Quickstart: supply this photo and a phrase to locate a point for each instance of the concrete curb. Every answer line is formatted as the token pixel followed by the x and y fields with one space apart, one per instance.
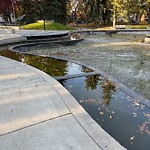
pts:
pixel 13 38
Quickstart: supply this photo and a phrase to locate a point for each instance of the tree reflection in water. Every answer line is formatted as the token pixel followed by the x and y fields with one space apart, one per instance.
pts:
pixel 109 88
pixel 91 82
pixel 50 66
pixel 12 55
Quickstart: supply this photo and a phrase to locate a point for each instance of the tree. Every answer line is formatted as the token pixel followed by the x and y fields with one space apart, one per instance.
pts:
pixel 77 10
pixel 45 9
pixel 128 7
pixel 91 82
pixel 118 8
pixel 6 9
pixel 108 90
pixel 137 9
pixel 69 11
pixel 148 14
pixel 97 11
pixel 57 10
pixel 106 13
pixel 28 9
pixel 103 11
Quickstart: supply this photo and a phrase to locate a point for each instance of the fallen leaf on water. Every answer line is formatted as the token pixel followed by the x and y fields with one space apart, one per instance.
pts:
pixel 147 115
pixel 81 101
pixel 110 117
pixel 134 115
pixel 136 104
pixel 107 110
pixel 132 138
pixel 101 113
pixel 113 112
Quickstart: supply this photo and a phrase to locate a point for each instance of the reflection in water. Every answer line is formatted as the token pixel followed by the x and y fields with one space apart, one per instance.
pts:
pixel 91 82
pixel 124 118
pixel 51 66
pixel 108 90
pixel 12 55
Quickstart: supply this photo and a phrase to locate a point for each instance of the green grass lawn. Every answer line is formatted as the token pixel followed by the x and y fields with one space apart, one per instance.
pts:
pixel 109 27
pixel 49 26
pixel 58 26
pixel 138 27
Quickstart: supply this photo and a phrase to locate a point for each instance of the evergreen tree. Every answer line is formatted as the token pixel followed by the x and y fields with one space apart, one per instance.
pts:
pixel 56 10
pixel 97 11
pixel 28 9
pixel 45 9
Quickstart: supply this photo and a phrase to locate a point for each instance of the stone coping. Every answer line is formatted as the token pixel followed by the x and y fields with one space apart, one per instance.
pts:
pixel 11 38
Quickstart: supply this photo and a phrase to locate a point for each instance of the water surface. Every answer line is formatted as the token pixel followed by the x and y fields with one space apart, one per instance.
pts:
pixel 123 117
pixel 122 56
pixel 51 66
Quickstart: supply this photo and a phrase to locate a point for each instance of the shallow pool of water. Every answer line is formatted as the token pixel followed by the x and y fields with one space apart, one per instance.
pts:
pixel 121 56
pixel 123 117
pixel 51 66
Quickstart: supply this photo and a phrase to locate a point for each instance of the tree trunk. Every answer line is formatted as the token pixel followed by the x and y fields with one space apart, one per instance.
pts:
pixel 149 16
pixel 137 18
pixel 9 19
pixel 114 18
pixel 114 13
pixel 114 22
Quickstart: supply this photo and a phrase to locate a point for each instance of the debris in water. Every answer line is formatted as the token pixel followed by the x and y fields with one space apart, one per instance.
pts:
pixel 81 101
pixel 101 113
pixel 134 115
pixel 110 117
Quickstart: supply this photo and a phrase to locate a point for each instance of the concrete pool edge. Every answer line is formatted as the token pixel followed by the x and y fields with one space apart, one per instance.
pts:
pixel 100 138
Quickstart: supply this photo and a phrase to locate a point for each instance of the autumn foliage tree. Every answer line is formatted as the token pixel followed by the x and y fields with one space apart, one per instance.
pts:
pixel 6 9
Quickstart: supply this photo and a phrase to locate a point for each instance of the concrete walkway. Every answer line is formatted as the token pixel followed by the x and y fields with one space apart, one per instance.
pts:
pixel 37 113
